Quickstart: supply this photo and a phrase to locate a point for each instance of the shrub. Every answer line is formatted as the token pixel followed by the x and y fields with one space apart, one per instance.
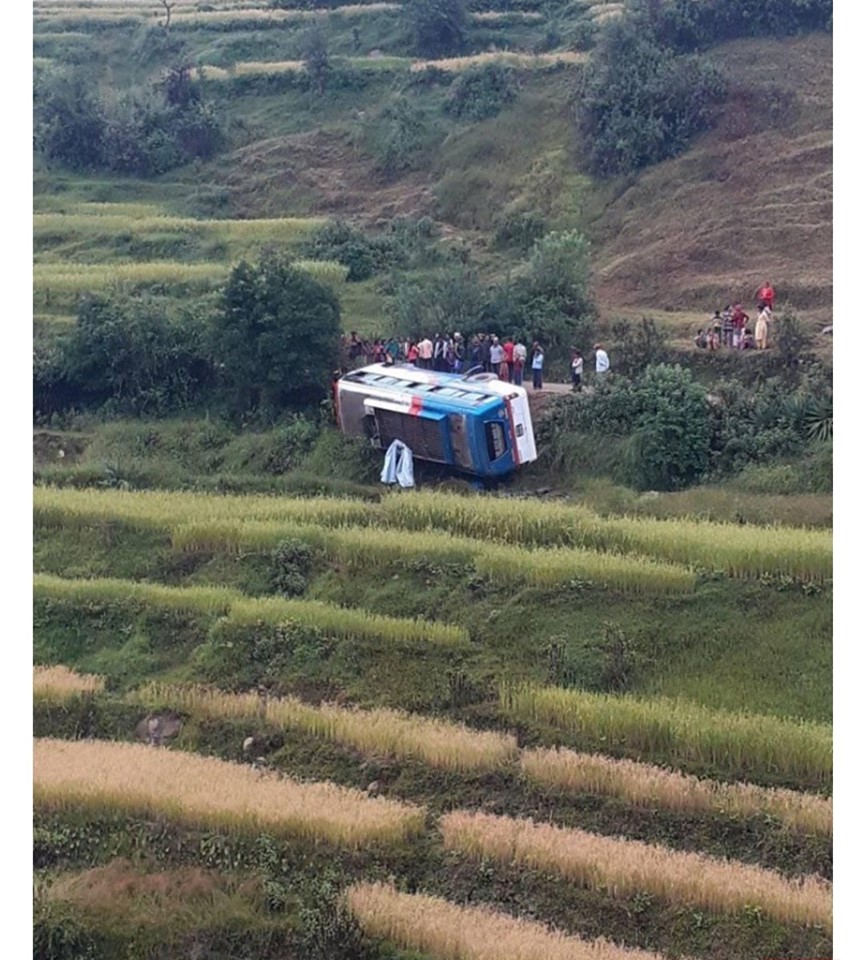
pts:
pixel 519 228
pixel 438 27
pixel 292 563
pixel 127 352
pixel 446 300
pixel 481 92
pixel 363 255
pixel 276 336
pixel 639 103
pixel 404 135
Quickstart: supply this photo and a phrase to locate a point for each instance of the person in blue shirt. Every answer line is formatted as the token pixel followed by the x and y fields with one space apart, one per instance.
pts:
pixel 537 366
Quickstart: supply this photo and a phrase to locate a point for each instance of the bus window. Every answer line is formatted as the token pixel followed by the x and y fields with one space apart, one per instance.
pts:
pixel 496 446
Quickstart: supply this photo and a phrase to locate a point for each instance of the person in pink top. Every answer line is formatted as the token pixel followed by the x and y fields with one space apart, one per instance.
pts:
pixel 509 359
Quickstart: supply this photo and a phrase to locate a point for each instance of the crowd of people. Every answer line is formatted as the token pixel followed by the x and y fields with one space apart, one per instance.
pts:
pixel 508 360
pixel 730 327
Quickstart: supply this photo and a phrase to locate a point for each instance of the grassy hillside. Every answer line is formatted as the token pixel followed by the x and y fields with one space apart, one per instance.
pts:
pixel 282 713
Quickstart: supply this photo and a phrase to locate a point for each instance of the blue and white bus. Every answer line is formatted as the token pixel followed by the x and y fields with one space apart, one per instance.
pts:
pixel 476 423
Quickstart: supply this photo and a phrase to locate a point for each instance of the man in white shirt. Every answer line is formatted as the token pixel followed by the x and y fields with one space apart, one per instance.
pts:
pixel 424 353
pixel 602 361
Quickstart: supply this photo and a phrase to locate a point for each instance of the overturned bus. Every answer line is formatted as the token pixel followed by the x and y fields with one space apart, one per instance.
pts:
pixel 474 423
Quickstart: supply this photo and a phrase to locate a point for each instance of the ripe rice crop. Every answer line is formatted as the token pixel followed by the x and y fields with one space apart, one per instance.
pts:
pixel 682 731
pixel 245 17
pixel 249 68
pixel 372 546
pixel 737 549
pixel 160 509
pixel 283 230
pixel 224 523
pixel 334 621
pixel 507 16
pixel 649 786
pixel 59 683
pixel 61 277
pixel 507 58
pixel 344 621
pixel 381 732
pixel 437 927
pixel 137 779
pixel 215 601
pixel 626 867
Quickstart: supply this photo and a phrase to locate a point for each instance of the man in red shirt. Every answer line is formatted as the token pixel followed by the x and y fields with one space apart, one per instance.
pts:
pixel 509 358
pixel 766 296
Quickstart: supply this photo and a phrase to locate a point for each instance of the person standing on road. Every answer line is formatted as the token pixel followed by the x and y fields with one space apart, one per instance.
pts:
pixel 424 353
pixel 537 366
pixel 509 358
pixel 497 356
pixel 577 371
pixel 520 354
pixel 602 361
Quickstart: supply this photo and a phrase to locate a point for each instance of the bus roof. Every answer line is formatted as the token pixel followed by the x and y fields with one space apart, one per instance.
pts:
pixel 453 387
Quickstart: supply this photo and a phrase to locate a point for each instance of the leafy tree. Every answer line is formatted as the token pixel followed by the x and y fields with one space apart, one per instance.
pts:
pixel 448 300
pixel 639 102
pixel 275 336
pixel 404 135
pixel 669 448
pixel 549 298
pixel 316 60
pixel 70 120
pixel 481 92
pixel 638 345
pixel 127 352
pixel 438 27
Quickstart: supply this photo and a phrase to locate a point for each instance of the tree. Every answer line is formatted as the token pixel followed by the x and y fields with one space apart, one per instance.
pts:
pixel 127 352
pixel 438 27
pixel 275 336
pixel 639 102
pixel 70 120
pixel 669 448
pixel 316 61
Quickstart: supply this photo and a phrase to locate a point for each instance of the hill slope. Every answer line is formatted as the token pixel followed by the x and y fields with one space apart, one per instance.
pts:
pixel 752 199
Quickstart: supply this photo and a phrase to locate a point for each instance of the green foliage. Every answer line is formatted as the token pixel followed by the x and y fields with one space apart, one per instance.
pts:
pixel 638 345
pixel 481 92
pixel 141 132
pixel 438 27
pixel 58 934
pixel 639 103
pixel 669 448
pixel 315 56
pixel 363 255
pixel 405 134
pixel 664 416
pixel 275 336
pixel 687 26
pixel 520 229
pixel 126 353
pixel 549 299
pixel 292 564
pixel 450 299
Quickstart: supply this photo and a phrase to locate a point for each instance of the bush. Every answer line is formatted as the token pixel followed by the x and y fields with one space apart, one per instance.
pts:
pixel 438 27
pixel 275 337
pixel 142 133
pixel 638 345
pixel 292 564
pixel 640 103
pixel 405 133
pixel 448 300
pixel 363 255
pixel 521 229
pixel 127 353
pixel 481 92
